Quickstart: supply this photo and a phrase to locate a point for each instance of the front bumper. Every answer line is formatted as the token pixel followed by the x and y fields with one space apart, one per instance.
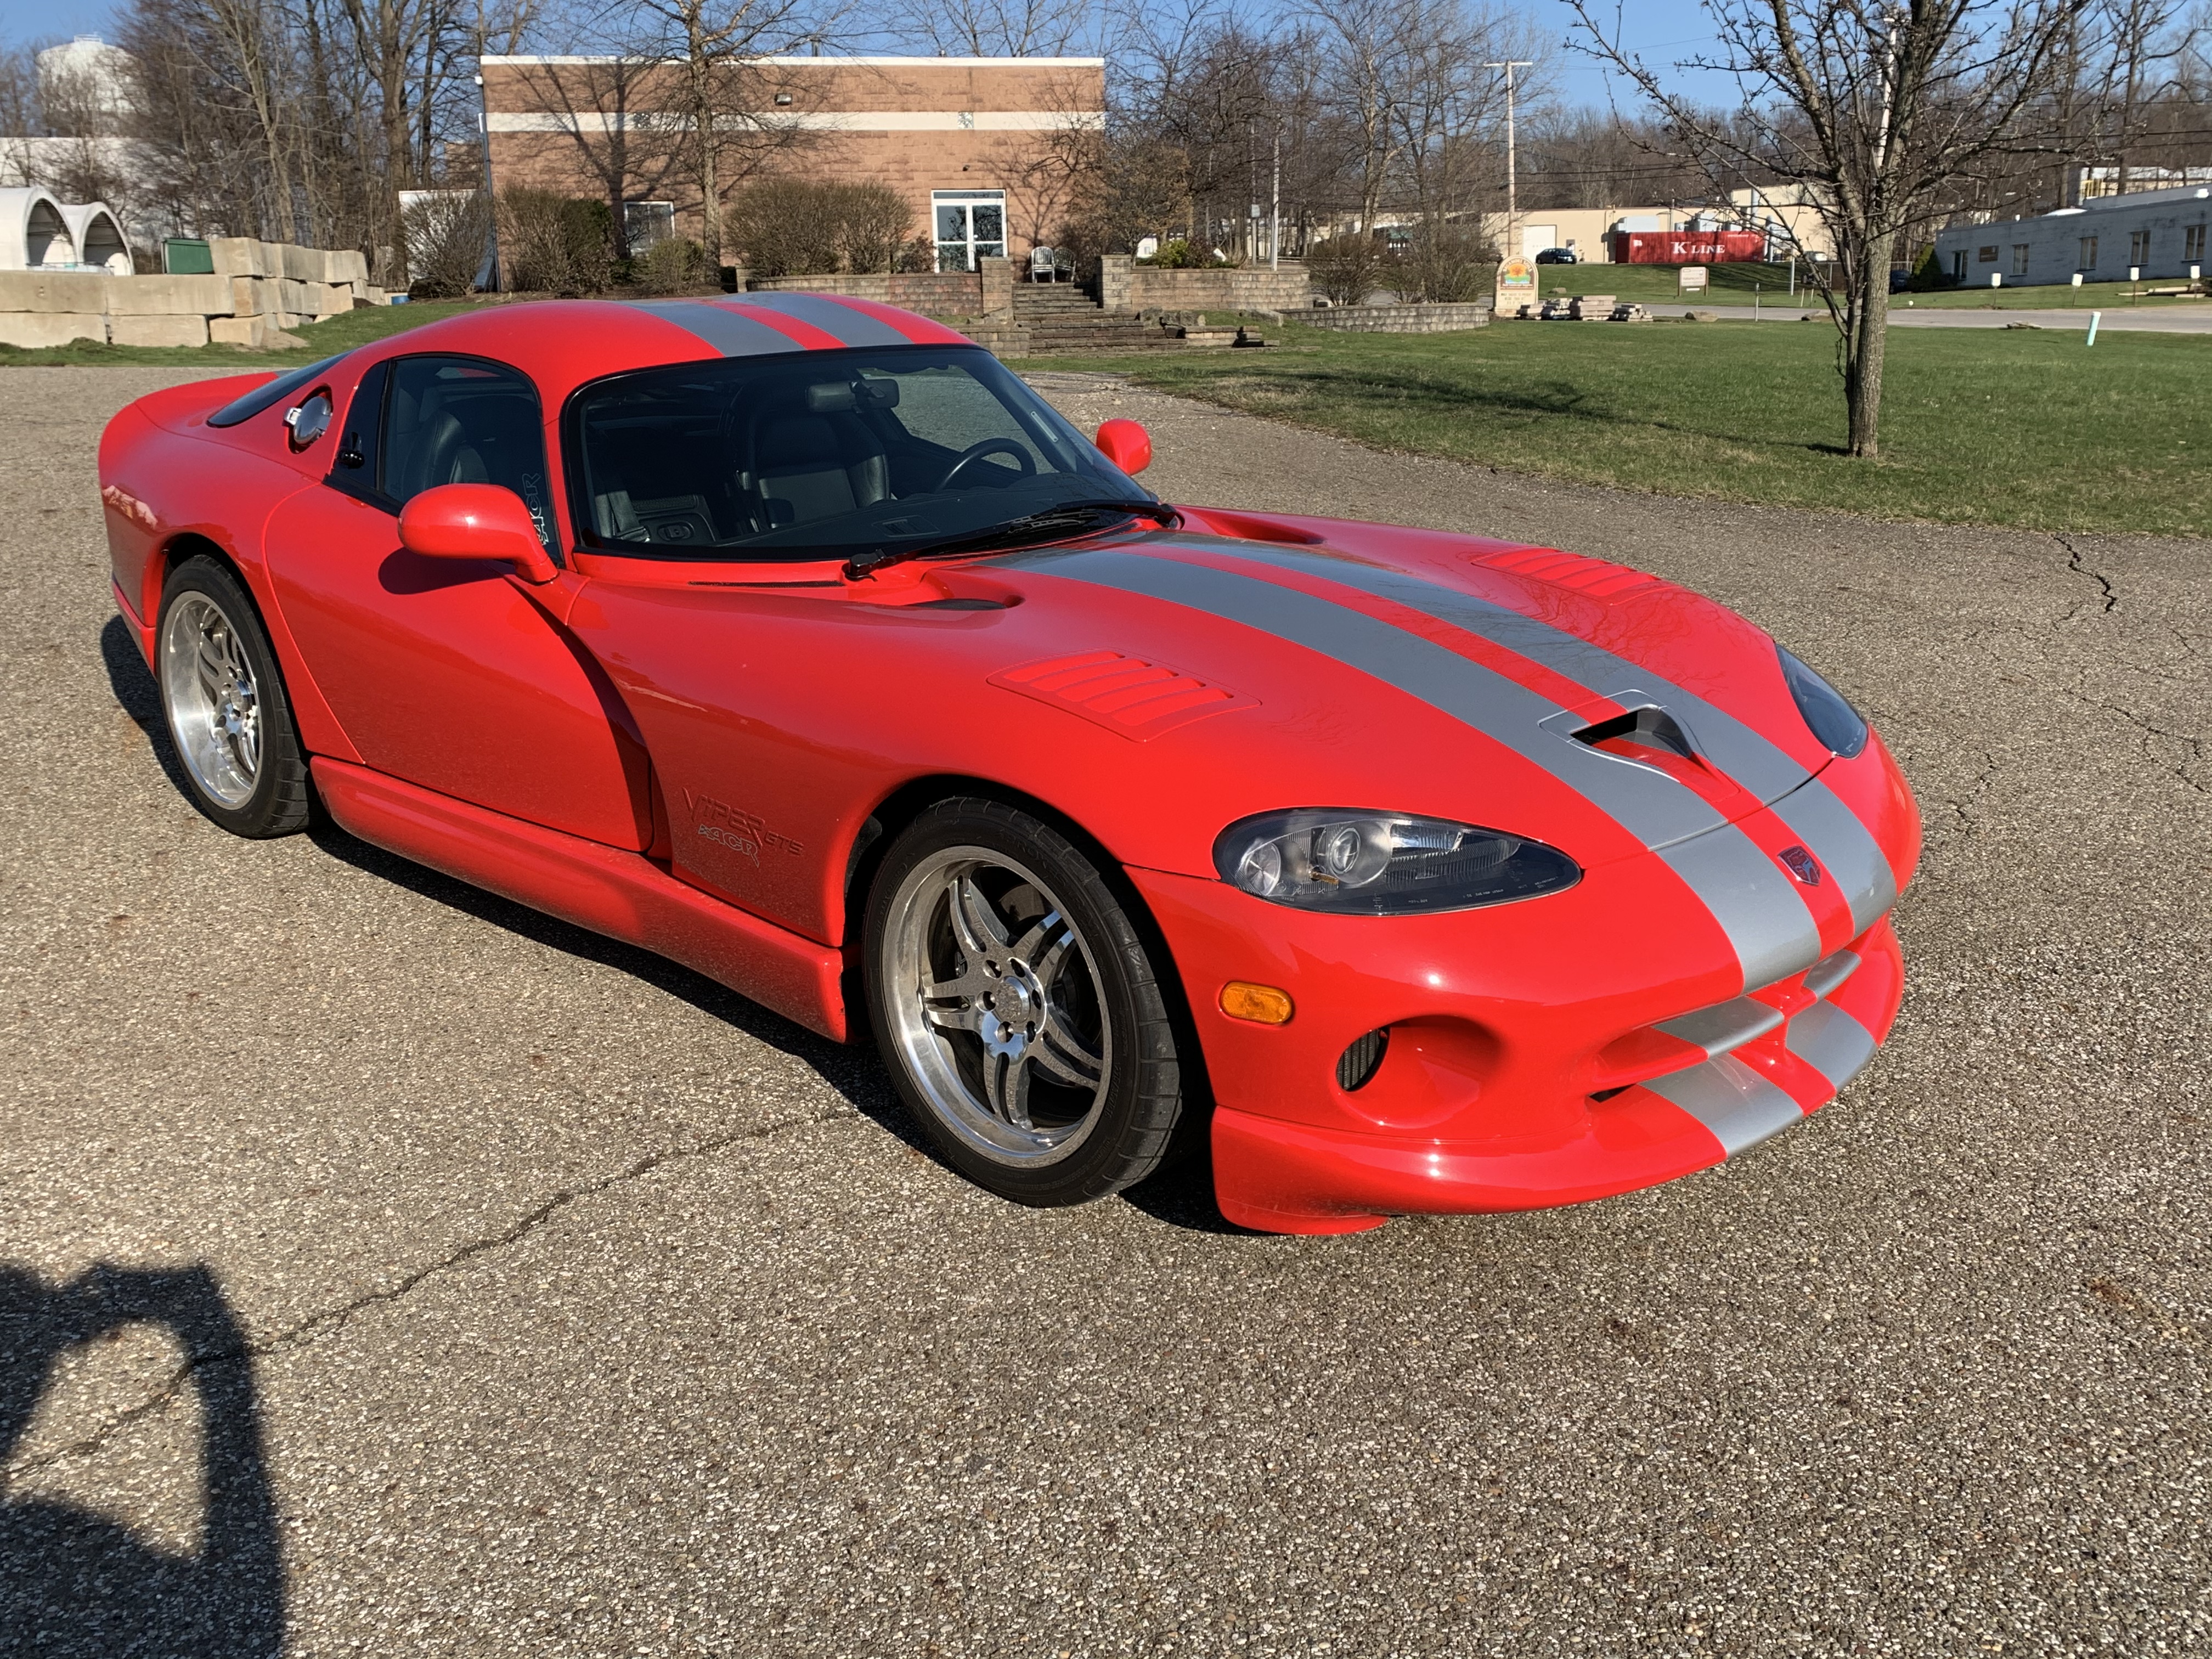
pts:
pixel 1541 1053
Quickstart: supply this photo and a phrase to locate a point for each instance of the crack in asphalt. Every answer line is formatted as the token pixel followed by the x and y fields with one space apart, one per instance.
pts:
pixel 2194 745
pixel 317 1325
pixel 2105 583
pixel 1961 803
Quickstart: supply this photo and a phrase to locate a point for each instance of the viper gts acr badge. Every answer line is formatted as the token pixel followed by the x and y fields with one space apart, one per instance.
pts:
pixel 1799 864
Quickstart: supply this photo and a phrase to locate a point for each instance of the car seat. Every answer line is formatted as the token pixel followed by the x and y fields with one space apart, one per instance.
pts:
pixel 813 456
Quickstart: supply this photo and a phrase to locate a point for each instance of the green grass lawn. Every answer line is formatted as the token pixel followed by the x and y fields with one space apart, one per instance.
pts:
pixel 333 334
pixel 1979 426
pixel 1735 284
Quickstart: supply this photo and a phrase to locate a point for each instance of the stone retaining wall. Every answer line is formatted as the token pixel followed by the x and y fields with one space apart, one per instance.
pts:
pixel 934 293
pixel 1400 319
pixel 260 291
pixel 1125 285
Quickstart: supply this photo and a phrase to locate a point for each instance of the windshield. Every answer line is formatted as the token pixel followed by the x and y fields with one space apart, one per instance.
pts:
pixel 849 454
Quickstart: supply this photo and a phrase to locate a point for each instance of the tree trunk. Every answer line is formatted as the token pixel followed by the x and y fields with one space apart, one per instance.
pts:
pixel 710 173
pixel 1863 349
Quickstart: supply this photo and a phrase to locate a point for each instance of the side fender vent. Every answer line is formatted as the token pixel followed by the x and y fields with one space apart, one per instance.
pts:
pixel 1128 695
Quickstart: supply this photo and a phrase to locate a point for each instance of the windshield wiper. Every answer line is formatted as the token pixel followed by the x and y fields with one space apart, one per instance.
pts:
pixel 1067 515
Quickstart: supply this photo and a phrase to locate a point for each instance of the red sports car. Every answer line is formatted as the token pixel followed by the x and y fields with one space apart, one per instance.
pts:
pixel 795 639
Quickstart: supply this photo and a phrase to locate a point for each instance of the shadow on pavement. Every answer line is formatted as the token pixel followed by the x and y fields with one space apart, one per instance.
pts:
pixel 76 1584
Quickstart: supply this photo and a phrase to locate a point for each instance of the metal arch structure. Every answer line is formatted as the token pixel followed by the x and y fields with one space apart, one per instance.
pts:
pixel 98 235
pixel 35 234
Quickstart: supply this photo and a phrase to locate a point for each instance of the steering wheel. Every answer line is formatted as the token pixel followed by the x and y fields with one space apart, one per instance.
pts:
pixel 989 446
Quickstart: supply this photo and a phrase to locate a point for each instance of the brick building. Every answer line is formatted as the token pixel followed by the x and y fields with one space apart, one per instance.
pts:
pixel 979 146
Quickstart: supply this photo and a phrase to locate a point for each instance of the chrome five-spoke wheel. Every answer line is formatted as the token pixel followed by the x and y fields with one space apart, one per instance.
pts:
pixel 1015 1000
pixel 996 998
pixel 225 702
pixel 215 709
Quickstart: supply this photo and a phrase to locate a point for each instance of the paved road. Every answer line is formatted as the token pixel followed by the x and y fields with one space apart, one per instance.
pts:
pixel 2178 320
pixel 391 1272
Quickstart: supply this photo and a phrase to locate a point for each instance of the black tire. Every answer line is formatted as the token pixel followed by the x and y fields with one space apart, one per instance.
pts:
pixel 1107 974
pixel 272 796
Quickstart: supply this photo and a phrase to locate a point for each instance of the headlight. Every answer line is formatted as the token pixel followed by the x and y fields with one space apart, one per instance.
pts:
pixel 1384 863
pixel 1832 721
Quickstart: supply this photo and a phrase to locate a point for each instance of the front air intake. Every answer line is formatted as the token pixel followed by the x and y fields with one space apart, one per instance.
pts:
pixel 1357 1065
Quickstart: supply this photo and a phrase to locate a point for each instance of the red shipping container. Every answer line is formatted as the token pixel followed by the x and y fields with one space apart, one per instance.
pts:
pixel 1687 247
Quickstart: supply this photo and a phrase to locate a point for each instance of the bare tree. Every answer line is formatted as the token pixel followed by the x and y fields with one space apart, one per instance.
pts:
pixel 1873 108
pixel 991 29
pixel 714 50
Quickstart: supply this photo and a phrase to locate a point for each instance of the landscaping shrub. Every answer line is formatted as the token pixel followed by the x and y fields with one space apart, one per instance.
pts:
pixel 1346 269
pixel 801 228
pixel 872 222
pixel 444 235
pixel 556 244
pixel 671 265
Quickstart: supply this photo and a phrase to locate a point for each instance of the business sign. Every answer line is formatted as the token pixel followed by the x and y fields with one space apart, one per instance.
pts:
pixel 1692 279
pixel 1517 276
pixel 1688 247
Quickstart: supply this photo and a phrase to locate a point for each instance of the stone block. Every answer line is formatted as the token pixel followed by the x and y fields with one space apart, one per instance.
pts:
pixel 296 297
pixel 158 330
pixel 50 328
pixel 249 296
pixel 76 293
pixel 237 256
pixel 252 332
pixel 349 265
pixel 333 299
pixel 304 264
pixel 169 296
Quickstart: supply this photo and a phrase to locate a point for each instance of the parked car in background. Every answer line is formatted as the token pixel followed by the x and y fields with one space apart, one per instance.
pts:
pixel 1558 255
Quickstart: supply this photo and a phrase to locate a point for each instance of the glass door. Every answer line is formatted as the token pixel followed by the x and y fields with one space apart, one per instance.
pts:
pixel 971 225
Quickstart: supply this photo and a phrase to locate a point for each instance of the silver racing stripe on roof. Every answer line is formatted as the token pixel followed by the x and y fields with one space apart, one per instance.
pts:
pixel 841 322
pixel 1755 904
pixel 729 333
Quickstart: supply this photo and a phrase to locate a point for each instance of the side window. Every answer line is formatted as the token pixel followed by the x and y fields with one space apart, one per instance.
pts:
pixel 462 420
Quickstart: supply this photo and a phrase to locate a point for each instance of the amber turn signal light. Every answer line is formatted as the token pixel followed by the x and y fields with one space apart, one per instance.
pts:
pixel 1262 1004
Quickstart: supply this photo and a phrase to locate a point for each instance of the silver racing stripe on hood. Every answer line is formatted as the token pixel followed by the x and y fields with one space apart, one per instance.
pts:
pixel 1755 904
pixel 1815 814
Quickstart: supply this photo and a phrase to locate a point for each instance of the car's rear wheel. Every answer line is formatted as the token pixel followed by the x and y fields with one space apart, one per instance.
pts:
pixel 1017 1007
pixel 225 702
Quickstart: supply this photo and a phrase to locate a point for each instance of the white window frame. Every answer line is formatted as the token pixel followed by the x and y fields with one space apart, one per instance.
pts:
pixel 631 239
pixel 968 246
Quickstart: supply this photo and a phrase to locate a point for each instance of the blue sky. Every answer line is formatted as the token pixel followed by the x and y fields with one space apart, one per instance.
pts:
pixel 1664 31
pixel 36 19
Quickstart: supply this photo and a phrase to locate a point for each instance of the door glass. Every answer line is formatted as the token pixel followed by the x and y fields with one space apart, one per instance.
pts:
pixel 951 223
pixel 462 420
pixel 990 222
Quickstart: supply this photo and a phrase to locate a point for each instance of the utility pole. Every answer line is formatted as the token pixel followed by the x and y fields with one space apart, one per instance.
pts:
pixel 1512 199
pixel 1275 210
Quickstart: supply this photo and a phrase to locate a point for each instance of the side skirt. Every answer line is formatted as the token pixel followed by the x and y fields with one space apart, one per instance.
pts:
pixel 619 894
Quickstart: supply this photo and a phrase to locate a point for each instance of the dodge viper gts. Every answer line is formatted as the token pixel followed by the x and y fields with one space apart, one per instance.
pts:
pixel 795 639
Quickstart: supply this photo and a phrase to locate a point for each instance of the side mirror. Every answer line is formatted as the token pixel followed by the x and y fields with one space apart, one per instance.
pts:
pixel 476 521
pixel 1127 444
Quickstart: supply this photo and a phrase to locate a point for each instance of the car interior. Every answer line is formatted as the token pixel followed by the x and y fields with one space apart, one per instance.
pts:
pixel 682 463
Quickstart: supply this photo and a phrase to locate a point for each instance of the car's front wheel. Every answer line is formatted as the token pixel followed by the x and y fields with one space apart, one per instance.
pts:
pixel 226 706
pixel 1021 1014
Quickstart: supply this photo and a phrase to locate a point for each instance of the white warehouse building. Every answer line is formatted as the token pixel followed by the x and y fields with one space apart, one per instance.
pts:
pixel 2159 233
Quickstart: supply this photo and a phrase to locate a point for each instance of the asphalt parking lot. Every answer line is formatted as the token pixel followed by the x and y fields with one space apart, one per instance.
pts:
pixel 386 1270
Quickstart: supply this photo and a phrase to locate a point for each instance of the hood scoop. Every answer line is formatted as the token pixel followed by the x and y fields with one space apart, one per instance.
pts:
pixel 1638 734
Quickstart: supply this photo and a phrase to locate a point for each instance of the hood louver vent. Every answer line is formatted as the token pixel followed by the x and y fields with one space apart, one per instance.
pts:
pixel 1598 578
pixel 1128 695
